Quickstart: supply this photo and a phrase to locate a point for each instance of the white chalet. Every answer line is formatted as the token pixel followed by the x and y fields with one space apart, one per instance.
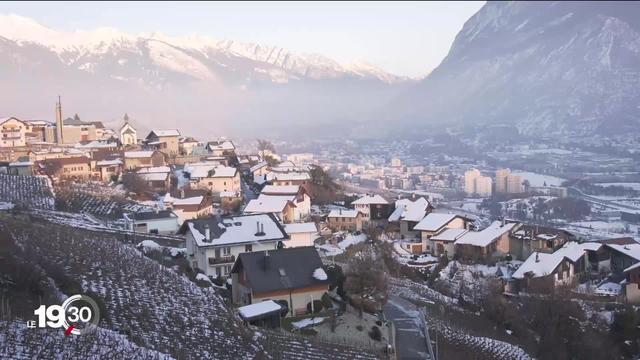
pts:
pixel 213 244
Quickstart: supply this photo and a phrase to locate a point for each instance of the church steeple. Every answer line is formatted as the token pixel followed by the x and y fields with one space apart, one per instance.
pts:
pixel 126 118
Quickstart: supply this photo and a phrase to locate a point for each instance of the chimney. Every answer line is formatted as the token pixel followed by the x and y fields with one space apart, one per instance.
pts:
pixel 182 193
pixel 266 261
pixel 503 221
pixel 207 232
pixel 537 259
pixel 59 122
pixel 340 211
pixel 157 209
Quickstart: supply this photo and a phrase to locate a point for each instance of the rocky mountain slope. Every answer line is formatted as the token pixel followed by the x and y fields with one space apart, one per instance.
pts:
pixel 547 68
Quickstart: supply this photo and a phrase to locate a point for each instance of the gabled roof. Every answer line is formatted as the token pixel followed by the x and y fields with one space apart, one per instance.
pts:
pixel 486 236
pixel 343 213
pixel 370 200
pixel 434 221
pixel 5 119
pixel 409 210
pixel 235 229
pixel 297 228
pixel 163 133
pixel 281 190
pixel 283 269
pixel 268 204
pixel 449 235
pixel 258 166
pixel 542 264
pixel 630 250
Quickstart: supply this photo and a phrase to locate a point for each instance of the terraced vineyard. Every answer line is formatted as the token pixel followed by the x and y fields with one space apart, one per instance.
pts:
pixel 155 306
pixel 26 191
pixel 96 199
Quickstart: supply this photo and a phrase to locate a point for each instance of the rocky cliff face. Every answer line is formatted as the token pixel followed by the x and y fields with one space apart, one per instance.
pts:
pixel 551 68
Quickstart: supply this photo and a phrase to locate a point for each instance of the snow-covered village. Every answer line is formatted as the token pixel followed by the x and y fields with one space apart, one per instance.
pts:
pixel 122 237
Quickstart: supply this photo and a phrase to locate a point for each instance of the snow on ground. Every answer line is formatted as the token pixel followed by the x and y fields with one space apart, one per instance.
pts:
pixel 609 288
pixel 352 240
pixel 203 277
pixel 6 205
pixel 319 274
pixel 307 322
pixel 330 249
pixel 539 179
pixel 149 244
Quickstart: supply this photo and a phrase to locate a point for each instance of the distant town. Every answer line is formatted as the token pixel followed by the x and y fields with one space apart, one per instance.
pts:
pixel 342 243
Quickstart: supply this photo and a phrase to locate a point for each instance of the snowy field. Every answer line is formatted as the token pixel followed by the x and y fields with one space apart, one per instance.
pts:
pixel 539 179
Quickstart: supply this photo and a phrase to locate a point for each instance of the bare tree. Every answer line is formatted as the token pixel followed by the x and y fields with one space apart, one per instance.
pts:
pixel 134 183
pixel 366 279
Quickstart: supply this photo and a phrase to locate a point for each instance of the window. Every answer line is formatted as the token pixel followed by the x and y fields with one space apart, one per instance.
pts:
pixel 227 269
pixel 218 270
pixel 226 251
pixel 248 248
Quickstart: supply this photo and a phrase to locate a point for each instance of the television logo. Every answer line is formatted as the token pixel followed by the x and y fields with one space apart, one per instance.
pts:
pixel 77 315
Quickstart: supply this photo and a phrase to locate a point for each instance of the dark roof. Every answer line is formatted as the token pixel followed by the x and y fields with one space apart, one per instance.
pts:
pixel 282 269
pixel 150 215
pixel 72 121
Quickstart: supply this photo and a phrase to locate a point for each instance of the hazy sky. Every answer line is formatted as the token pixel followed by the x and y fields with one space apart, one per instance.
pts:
pixel 402 38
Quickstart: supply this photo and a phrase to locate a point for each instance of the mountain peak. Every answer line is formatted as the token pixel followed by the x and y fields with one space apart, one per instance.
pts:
pixel 72 45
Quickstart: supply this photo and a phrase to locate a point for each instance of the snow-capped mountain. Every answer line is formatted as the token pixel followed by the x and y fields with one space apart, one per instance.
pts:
pixel 210 87
pixel 548 68
pixel 191 55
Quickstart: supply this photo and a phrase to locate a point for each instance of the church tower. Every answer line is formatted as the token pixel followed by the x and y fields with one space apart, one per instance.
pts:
pixel 128 134
pixel 59 123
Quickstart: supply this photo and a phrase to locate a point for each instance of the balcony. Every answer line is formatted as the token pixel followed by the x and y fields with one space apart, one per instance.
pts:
pixel 221 260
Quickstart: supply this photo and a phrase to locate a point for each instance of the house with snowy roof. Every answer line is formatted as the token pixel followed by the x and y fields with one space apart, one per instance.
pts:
pixel 189 204
pixel 213 244
pixel 167 141
pixel 292 277
pixel 221 147
pixel 301 234
pixel 154 222
pixel 296 194
pixel 156 177
pixel 487 244
pixel 139 159
pixel 535 238
pixel 619 254
pixel 374 208
pixel 543 272
pixel 213 177
pixel 434 224
pixel 280 206
pixel 259 169
pixel 13 132
pixel 408 213
pixel 345 220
